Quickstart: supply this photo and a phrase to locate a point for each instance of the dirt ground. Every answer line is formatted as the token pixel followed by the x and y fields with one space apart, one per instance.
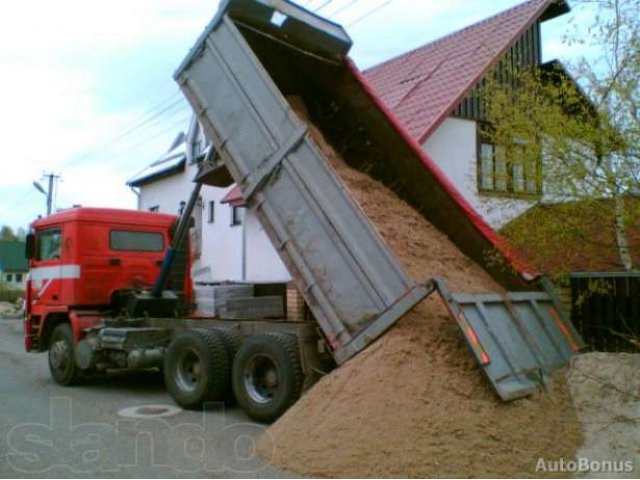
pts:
pixel 606 392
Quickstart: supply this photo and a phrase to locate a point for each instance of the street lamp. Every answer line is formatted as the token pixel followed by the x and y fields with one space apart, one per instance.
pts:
pixel 39 188
pixel 49 193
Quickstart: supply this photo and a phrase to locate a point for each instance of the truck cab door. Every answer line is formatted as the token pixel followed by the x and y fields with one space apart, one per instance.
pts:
pixel 46 271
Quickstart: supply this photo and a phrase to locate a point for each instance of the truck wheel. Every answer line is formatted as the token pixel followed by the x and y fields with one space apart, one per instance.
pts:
pixel 232 341
pixel 197 368
pixel 267 375
pixel 62 364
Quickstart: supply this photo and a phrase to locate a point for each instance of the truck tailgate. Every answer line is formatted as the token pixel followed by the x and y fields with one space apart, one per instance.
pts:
pixel 518 338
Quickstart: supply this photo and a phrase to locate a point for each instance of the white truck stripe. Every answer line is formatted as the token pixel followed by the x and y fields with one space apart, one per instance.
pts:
pixel 55 272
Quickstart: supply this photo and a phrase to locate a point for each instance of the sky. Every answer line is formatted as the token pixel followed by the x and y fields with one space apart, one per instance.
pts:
pixel 87 90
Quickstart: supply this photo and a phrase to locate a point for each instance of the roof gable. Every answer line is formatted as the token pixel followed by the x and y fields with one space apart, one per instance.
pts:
pixel 423 86
pixel 170 163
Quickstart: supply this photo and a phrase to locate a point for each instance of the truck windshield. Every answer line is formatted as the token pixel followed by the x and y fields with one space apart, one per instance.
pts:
pixel 129 240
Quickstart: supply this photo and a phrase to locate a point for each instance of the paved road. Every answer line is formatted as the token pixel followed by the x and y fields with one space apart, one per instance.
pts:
pixel 51 431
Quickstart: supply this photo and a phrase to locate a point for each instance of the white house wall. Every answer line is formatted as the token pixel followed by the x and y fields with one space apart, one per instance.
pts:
pixel 262 261
pixel 166 194
pixel 453 146
pixel 225 253
pixel 222 244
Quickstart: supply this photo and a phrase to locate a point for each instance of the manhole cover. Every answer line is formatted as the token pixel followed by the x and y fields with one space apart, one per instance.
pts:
pixel 150 411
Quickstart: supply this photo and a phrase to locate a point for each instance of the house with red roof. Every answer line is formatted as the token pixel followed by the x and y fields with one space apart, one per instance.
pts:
pixel 432 90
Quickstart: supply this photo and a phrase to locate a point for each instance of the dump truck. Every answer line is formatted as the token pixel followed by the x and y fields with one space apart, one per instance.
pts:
pixel 113 296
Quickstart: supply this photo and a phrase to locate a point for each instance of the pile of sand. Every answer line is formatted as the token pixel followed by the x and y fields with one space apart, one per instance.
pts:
pixel 414 403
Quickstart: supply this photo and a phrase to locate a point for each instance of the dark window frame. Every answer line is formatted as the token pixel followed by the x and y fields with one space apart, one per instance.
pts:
pixel 235 214
pixel 211 217
pixel 504 171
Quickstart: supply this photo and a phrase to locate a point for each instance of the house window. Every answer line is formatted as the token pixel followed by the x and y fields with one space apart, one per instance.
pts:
pixel 9 278
pixel 212 211
pixel 155 208
pixel 509 173
pixel 236 216
pixel 18 278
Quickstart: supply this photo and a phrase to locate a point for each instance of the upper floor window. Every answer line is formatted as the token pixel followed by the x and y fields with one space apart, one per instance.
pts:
pixel 508 171
pixel 155 208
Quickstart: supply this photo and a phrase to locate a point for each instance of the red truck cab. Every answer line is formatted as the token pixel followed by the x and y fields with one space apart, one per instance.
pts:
pixel 81 258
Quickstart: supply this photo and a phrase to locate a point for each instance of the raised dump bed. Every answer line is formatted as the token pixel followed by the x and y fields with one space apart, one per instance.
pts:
pixel 352 283
pixel 252 57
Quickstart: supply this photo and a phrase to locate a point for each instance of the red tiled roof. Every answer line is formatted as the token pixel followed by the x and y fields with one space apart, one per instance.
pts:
pixel 423 86
pixel 234 197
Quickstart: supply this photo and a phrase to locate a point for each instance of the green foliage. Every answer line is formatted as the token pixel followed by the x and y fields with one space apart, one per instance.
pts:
pixel 10 295
pixel 587 131
pixel 7 233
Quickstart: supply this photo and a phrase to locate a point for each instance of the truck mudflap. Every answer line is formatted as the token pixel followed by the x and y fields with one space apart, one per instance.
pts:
pixel 518 338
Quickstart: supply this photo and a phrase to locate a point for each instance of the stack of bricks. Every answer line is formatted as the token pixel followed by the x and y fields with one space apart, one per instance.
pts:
pixel 296 308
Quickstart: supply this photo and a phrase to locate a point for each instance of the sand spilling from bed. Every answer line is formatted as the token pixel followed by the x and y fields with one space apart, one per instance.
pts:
pixel 414 403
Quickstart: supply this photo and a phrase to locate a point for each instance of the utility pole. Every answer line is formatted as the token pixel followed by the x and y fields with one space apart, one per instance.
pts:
pixel 52 181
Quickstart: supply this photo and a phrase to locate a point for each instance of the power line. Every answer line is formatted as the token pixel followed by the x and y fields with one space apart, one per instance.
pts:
pixel 370 12
pixel 141 127
pixel 327 2
pixel 150 111
pixel 154 116
pixel 344 7
pixel 148 117
pixel 148 120
pixel 119 154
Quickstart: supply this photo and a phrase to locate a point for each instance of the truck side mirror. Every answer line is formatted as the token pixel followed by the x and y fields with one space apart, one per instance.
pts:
pixel 30 246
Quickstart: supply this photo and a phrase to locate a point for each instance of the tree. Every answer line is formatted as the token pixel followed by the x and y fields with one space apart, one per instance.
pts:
pixel 6 233
pixel 587 134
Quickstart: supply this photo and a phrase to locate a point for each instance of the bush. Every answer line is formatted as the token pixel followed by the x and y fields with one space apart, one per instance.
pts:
pixel 10 295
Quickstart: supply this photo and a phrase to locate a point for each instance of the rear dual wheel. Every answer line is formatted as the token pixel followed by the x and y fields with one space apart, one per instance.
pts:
pixel 209 365
pixel 267 375
pixel 197 368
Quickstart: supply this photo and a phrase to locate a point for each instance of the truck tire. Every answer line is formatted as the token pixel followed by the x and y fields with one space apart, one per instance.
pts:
pixel 197 368
pixel 62 364
pixel 267 375
pixel 232 341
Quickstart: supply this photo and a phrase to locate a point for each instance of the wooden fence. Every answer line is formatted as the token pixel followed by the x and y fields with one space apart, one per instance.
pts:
pixel 605 308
